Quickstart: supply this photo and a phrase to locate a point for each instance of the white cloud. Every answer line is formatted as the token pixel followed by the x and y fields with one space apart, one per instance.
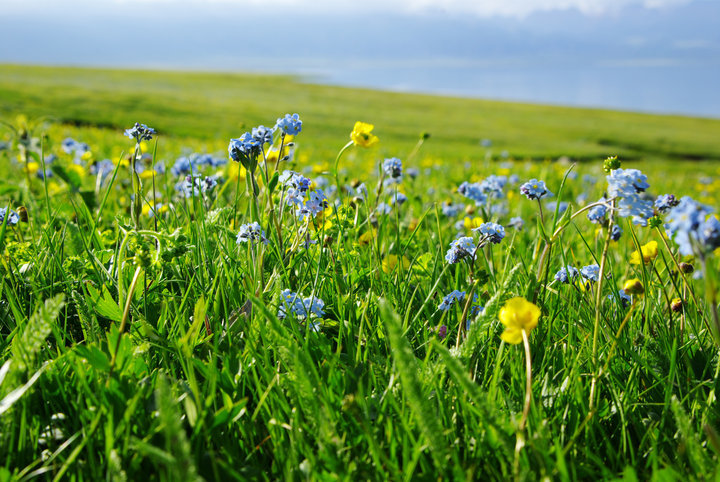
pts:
pixel 480 8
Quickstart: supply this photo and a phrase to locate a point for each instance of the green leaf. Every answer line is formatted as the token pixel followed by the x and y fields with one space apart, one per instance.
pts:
pixel 422 409
pixel 273 182
pixel 28 344
pixel 104 304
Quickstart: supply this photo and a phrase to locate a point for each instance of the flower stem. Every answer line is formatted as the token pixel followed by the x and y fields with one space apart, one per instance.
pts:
pixel 598 305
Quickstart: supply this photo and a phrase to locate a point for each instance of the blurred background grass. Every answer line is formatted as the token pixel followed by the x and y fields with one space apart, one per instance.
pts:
pixel 213 107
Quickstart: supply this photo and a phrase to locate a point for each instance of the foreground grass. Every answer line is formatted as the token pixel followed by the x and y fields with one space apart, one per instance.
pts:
pixel 153 349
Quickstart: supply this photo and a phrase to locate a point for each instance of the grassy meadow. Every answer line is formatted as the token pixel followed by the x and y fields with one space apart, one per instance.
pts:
pixel 481 292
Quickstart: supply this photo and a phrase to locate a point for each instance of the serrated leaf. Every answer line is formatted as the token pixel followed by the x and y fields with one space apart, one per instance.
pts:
pixel 104 304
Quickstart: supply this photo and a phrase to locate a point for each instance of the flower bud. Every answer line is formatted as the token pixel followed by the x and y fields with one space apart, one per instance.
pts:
pixel 634 287
pixel 676 305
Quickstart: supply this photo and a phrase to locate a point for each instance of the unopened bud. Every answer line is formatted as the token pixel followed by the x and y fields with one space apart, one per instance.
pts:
pixel 634 287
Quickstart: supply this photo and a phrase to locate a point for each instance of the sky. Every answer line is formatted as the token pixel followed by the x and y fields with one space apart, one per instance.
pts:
pixel 650 55
pixel 479 8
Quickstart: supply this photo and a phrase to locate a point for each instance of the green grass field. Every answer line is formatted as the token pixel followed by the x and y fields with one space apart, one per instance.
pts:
pixel 149 330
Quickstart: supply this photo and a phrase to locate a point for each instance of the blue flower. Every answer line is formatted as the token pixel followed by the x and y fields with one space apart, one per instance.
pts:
pixel 591 272
pixel 622 297
pixel 561 209
pixel 184 165
pixel 665 202
pixel 451 210
pixel 243 148
pixel 473 191
pixel 315 204
pixel 140 132
pixel 263 135
pixel 534 189
pixel 290 124
pixel 450 299
pixel 516 223
pixel 252 233
pixel 627 185
pixel 413 172
pixel 460 249
pixel 492 186
pixel 398 198
pixel 392 167
pixel 383 208
pixel 566 274
pixel 626 182
pixel 640 209
pixel 102 168
pixel 303 308
pixel 12 219
pixel 597 214
pixel 491 232
pixel 692 227
pixel 616 232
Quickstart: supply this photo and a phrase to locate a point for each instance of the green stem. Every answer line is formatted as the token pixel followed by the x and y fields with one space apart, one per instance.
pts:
pixel 598 305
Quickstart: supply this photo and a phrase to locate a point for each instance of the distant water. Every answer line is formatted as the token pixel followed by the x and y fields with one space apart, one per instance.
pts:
pixel 655 87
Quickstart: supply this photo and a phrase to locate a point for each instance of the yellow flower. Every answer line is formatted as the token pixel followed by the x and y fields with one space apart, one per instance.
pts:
pixel 649 253
pixel 517 315
pixel 472 223
pixel 366 237
pixel 32 166
pixel 391 261
pixel 77 168
pixel 361 135
pixel 634 287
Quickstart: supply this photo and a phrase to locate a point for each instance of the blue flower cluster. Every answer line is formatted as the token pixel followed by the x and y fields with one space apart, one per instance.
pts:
pixel 302 308
pixel 398 198
pixel 450 299
pixel 193 186
pixel 516 223
pixel 102 168
pixel 315 204
pixel 140 132
pixel 451 210
pixel 492 186
pixel 243 148
pixel 621 297
pixel 296 186
pixel 192 163
pixel 251 233
pixel 591 272
pixel 597 214
pixel 75 149
pixel 627 185
pixel 492 232
pixel 12 218
pixel 665 202
pixel 290 124
pixel 460 249
pixel 392 167
pixel 534 189
pixel 693 227
pixel 567 274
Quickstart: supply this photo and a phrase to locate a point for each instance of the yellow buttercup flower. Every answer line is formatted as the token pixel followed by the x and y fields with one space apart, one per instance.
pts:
pixel 517 315
pixel 472 223
pixel 633 287
pixel 648 252
pixel 362 136
pixel 391 261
